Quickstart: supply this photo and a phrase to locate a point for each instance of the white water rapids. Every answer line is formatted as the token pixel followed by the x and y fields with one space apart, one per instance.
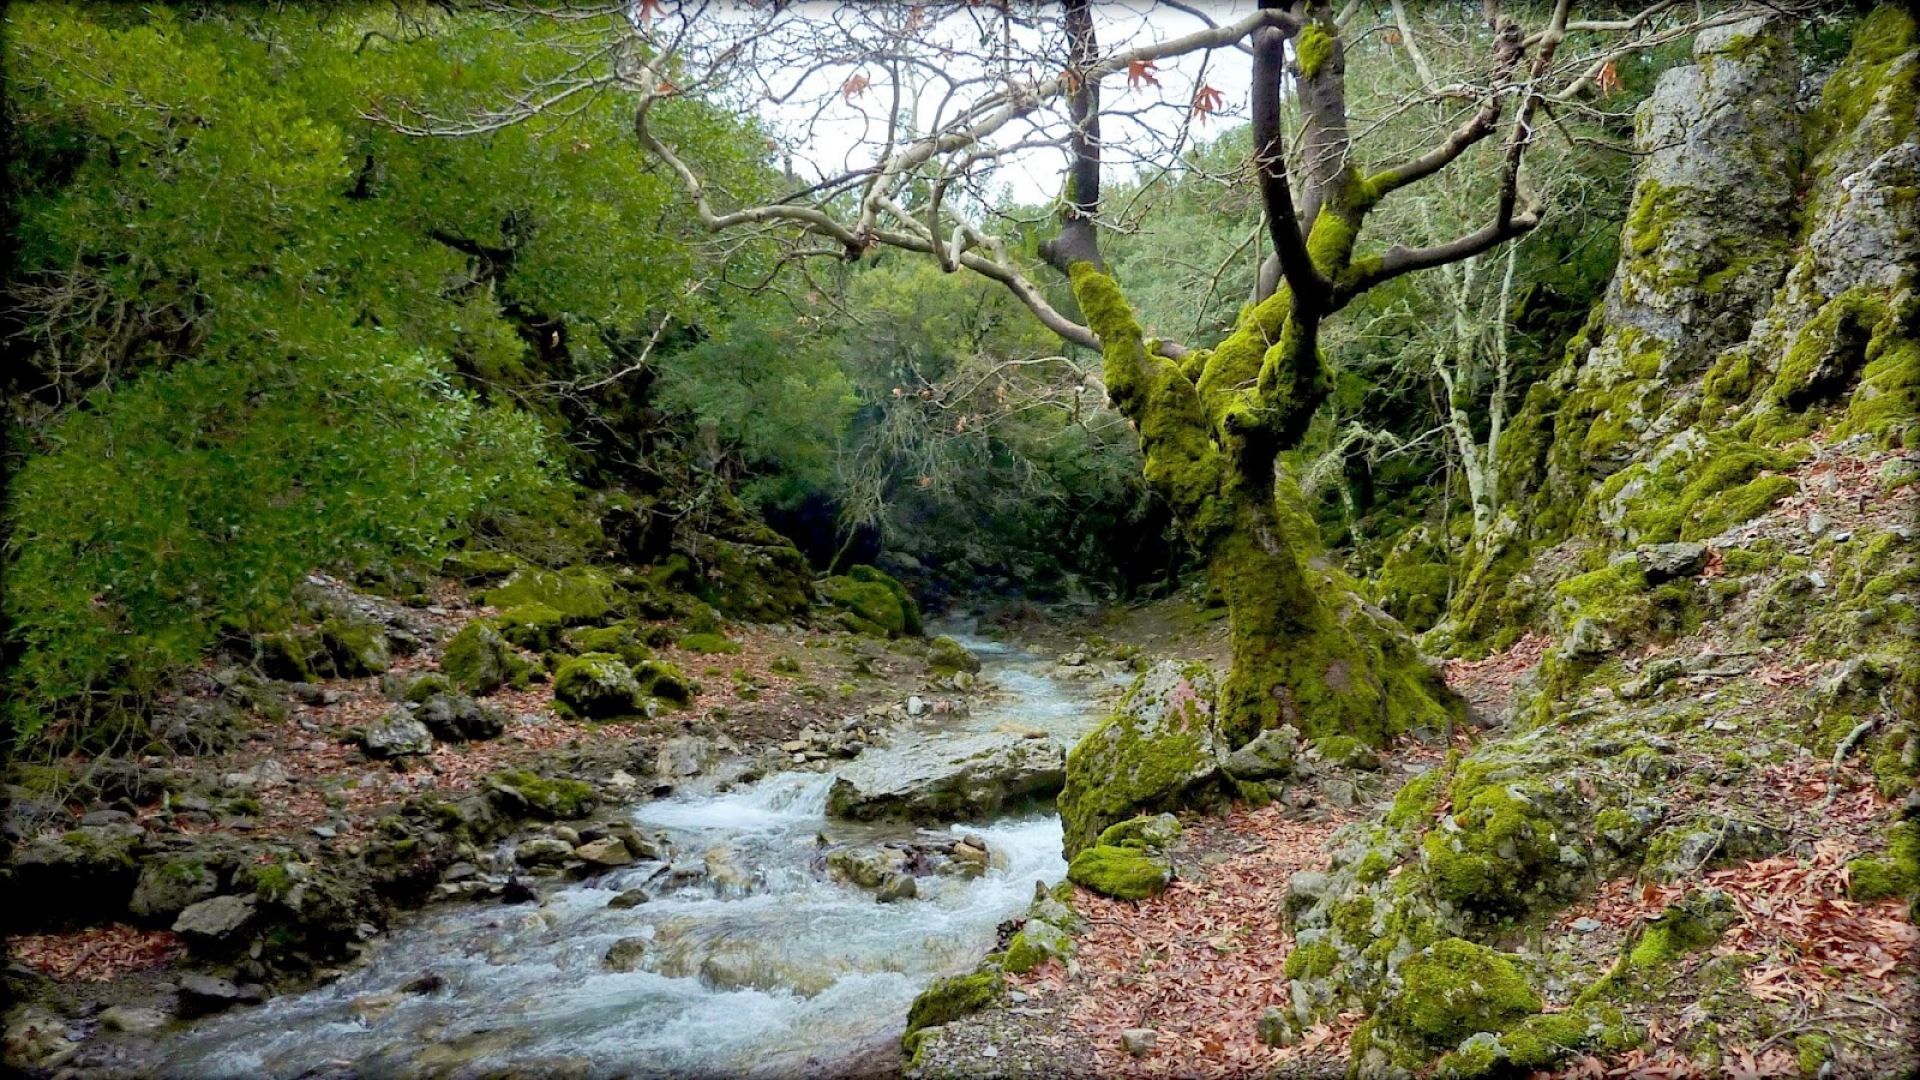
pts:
pixel 789 973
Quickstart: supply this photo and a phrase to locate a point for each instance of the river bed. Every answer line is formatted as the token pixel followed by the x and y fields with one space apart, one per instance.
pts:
pixel 771 969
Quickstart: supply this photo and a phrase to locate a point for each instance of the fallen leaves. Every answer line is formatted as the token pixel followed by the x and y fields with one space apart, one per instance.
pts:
pixel 98 953
pixel 1201 961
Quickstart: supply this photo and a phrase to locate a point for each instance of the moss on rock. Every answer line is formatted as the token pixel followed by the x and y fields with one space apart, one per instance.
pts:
pixel 1155 750
pixel 480 660
pixel 581 594
pixel 1123 873
pixel 596 686
pixel 1455 988
pixel 555 798
pixel 949 999
pixel 531 626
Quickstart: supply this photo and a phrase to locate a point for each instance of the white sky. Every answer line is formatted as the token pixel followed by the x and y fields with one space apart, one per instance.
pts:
pixel 832 143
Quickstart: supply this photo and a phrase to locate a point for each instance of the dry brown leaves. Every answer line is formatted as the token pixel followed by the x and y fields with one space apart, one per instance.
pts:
pixel 1488 682
pixel 1199 962
pixel 98 953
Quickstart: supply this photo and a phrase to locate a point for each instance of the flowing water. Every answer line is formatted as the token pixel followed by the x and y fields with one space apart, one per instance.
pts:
pixel 766 968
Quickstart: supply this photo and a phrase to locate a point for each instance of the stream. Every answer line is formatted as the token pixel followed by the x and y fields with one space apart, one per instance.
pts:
pixel 779 971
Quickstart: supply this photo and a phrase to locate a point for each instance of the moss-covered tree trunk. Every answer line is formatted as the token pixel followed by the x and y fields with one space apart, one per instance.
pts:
pixel 1306 650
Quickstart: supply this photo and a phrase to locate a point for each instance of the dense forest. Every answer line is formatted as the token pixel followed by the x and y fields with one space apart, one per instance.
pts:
pixel 961 539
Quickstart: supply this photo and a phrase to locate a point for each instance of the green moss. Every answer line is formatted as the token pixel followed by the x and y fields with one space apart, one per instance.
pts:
pixel 479 660
pixel 1828 349
pixel 1313 960
pixel 1312 49
pixel 946 654
pixel 1682 928
pixel 947 1000
pixel 1538 1043
pixel 1495 853
pixel 867 606
pixel 1417 798
pixel 595 686
pixel 530 626
pixel 1122 873
pixel 1810 1051
pixel 354 646
pixel 662 680
pixel 622 639
pixel 1455 988
pixel 557 798
pixel 909 610
pixel 1897 874
pixel 480 567
pixel 1886 401
pixel 1036 943
pixel 581 594
pixel 709 644
pixel 1144 833
pixel 1736 506
pixel 1145 756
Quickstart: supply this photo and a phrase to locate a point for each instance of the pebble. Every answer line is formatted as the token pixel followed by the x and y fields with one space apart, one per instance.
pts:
pixel 1139 1041
pixel 990 1051
pixel 325 832
pixel 1586 925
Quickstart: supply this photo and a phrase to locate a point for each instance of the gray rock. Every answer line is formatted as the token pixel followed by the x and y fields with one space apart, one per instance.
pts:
pixel 215 920
pixel 1665 562
pixel 632 898
pixel 132 1018
pixel 606 851
pixel 542 851
pixel 459 718
pixel 1139 1041
pixel 201 994
pixel 1587 640
pixel 169 886
pixel 897 887
pixel 397 734
pixel 1585 925
pixel 38 1039
pixel 627 954
pixel 1269 755
pixel 968 777
pixel 1276 1028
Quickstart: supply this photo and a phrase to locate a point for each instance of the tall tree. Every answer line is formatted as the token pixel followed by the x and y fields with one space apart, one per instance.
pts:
pixel 934 97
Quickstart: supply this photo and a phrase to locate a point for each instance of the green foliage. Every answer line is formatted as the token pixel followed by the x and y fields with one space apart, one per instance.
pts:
pixel 274 336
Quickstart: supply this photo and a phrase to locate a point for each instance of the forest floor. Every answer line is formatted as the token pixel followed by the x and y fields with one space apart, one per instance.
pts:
pixel 1199 963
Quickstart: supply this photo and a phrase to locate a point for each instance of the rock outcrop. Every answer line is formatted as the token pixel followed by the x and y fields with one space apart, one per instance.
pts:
pixel 960 779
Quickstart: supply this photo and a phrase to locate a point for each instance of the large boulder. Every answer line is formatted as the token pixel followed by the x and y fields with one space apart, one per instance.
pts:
pixel 596 686
pixel 479 659
pixel 580 594
pixel 168 886
pixel 968 777
pixel 871 602
pixel 74 876
pixel 459 718
pixel 396 734
pixel 1156 749
pixel 215 920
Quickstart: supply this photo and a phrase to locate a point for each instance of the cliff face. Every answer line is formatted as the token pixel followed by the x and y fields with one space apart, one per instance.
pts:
pixel 1712 525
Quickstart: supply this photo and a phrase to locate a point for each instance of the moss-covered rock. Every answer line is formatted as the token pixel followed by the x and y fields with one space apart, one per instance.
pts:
pixel 624 639
pixel 949 999
pixel 1453 989
pixel 596 686
pixel 1155 833
pixel 479 567
pixel 709 644
pixel 1034 944
pixel 523 791
pixel 581 594
pixel 1125 873
pixel 1895 874
pixel 871 602
pixel 947 655
pixel 531 626
pixel 660 679
pixel 1153 752
pixel 355 646
pixel 480 660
